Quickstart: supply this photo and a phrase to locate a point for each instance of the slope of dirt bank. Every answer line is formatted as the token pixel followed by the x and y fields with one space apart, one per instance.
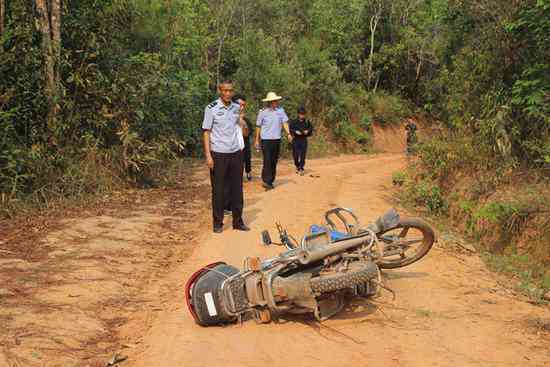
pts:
pixel 449 310
pixel 392 138
pixel 389 138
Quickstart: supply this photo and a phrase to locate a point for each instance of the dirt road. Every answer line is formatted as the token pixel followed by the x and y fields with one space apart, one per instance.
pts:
pixel 448 311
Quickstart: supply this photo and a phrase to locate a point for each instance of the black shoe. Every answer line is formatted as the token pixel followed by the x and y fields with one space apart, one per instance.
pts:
pixel 241 227
pixel 268 186
pixel 249 176
pixel 218 229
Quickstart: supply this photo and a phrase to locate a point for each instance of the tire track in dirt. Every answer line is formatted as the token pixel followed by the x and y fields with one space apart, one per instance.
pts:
pixel 449 310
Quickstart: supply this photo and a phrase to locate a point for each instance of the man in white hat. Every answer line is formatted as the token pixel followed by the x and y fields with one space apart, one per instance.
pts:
pixel 270 122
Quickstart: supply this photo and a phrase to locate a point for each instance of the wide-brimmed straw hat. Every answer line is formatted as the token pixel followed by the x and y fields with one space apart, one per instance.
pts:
pixel 272 96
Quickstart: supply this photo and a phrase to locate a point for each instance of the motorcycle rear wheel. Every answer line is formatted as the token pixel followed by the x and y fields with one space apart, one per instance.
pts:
pixel 406 224
pixel 327 283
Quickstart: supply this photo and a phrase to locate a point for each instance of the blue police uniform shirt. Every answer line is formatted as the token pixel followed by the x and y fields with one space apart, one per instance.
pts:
pixel 223 123
pixel 271 121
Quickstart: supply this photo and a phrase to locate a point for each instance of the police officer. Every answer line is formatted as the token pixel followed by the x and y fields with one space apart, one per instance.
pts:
pixel 270 122
pixel 301 129
pixel 223 149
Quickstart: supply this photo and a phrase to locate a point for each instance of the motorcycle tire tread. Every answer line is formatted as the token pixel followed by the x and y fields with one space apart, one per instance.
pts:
pixel 339 281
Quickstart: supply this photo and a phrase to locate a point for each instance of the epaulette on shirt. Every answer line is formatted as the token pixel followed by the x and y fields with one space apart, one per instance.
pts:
pixel 213 104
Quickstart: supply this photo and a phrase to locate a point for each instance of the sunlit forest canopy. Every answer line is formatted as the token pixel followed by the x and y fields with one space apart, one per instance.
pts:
pixel 94 92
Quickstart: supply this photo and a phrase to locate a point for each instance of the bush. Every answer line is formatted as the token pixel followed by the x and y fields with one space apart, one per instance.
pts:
pixel 427 194
pixel 399 178
pixel 388 109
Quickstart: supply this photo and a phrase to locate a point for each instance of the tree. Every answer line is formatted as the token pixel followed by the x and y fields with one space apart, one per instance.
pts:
pixel 223 29
pixel 374 19
pixel 49 24
pixel 55 21
pixel 2 16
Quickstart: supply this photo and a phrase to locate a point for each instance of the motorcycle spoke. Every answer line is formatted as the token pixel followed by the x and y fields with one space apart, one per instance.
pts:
pixel 411 241
pixel 404 232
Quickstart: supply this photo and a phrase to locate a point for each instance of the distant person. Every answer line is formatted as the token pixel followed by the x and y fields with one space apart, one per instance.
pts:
pixel 223 149
pixel 412 139
pixel 300 129
pixel 270 123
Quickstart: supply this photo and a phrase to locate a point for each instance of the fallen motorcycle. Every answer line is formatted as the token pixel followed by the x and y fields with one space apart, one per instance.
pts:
pixel 315 275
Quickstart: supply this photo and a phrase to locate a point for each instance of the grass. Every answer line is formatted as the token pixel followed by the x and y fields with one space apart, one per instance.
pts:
pixel 532 280
pixel 399 178
pixel 96 184
pixel 509 225
pixel 423 312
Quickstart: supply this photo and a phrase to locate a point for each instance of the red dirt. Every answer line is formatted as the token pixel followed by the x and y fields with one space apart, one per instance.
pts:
pixel 110 280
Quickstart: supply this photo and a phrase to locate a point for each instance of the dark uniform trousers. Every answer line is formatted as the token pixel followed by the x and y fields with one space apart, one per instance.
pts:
pixel 247 156
pixel 270 150
pixel 299 151
pixel 227 173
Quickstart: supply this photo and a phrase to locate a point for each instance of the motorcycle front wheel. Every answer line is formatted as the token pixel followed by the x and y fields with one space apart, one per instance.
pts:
pixel 405 243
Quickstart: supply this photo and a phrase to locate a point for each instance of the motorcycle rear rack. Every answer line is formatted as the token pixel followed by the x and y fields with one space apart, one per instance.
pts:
pixel 234 291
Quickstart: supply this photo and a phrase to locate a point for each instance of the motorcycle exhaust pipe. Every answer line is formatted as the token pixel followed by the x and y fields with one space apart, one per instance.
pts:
pixel 320 252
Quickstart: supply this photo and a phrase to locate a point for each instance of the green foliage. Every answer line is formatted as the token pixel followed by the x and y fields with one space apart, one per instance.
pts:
pixel 399 178
pixel 388 109
pixel 428 195
pixel 135 76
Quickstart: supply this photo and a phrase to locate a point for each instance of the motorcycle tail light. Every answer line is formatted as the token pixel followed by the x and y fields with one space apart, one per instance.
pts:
pixel 189 286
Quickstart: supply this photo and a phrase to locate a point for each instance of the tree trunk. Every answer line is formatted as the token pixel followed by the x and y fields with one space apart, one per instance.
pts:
pixel 56 38
pixel 373 24
pixel 171 26
pixel 49 62
pixel 2 16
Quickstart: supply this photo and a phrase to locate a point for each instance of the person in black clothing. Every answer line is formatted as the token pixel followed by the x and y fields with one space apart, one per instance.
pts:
pixel 301 129
pixel 247 133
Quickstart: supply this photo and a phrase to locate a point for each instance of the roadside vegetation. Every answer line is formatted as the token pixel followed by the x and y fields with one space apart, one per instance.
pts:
pixel 99 95
pixel 486 163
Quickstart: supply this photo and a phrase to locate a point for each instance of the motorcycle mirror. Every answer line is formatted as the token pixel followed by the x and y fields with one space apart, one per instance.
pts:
pixel 266 238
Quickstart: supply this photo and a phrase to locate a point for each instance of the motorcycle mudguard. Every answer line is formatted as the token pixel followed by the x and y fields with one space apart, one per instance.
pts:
pixel 203 294
pixel 389 220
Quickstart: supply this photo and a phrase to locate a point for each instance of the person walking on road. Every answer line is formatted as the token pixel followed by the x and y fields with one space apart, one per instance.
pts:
pixel 300 129
pixel 223 149
pixel 270 123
